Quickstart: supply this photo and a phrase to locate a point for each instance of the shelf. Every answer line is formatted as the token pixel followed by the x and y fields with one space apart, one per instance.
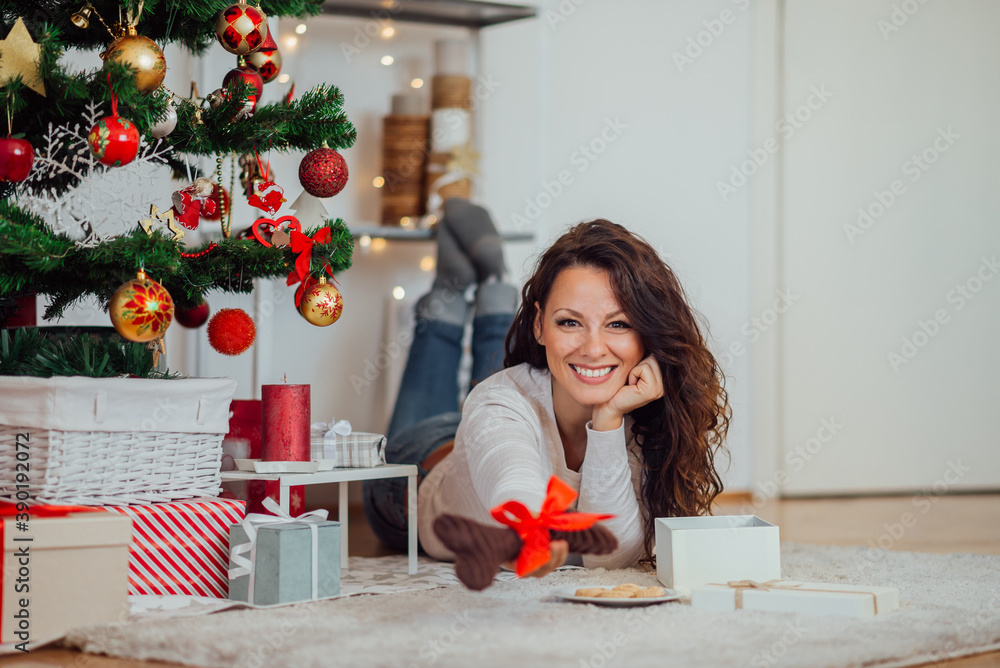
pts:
pixel 399 234
pixel 465 13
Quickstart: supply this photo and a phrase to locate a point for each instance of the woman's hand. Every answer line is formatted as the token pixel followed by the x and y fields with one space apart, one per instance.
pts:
pixel 644 384
pixel 559 550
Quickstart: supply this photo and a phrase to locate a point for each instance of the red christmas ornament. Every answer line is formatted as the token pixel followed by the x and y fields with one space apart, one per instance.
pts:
pixel 114 141
pixel 16 158
pixel 220 196
pixel 241 28
pixel 266 60
pixel 192 317
pixel 323 172
pixel 231 331
pixel 254 82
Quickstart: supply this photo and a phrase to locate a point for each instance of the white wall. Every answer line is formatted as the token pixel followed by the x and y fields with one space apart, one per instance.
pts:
pixel 881 342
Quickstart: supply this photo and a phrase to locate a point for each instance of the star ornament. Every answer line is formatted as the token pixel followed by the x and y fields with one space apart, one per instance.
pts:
pixel 464 158
pixel 20 56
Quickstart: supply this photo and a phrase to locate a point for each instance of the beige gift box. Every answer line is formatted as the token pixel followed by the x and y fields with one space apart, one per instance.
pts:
pixel 692 551
pixel 72 572
pixel 811 598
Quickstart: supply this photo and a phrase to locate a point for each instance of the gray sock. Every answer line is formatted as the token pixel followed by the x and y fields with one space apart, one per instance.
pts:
pixel 454 268
pixel 445 305
pixel 475 232
pixel 496 298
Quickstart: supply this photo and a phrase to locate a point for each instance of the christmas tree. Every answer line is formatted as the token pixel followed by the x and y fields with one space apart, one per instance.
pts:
pixel 74 221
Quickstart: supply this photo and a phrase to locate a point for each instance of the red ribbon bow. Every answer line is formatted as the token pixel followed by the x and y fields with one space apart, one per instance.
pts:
pixel 534 529
pixel 302 245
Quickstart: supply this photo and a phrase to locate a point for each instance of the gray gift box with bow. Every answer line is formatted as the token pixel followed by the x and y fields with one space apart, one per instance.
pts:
pixel 283 562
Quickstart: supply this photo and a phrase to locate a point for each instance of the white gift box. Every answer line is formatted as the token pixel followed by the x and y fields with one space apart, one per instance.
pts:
pixel 692 551
pixel 812 598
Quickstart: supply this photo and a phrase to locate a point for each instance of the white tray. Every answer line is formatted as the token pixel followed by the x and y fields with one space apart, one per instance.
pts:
pixel 257 466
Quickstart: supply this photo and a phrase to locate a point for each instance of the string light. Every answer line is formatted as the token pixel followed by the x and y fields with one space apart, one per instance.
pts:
pixel 398 292
pixel 388 60
pixel 417 83
pixel 388 32
pixel 427 263
pixel 378 182
pixel 300 28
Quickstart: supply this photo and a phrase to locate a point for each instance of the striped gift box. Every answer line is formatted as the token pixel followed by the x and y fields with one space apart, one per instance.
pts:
pixel 181 547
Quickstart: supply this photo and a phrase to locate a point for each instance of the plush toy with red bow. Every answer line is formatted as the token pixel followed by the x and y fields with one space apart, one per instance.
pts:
pixel 480 549
pixel 193 202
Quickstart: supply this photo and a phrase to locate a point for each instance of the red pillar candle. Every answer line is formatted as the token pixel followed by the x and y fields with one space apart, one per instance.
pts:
pixel 285 434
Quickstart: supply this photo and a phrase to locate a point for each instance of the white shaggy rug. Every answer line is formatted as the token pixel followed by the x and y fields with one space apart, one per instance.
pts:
pixel 949 607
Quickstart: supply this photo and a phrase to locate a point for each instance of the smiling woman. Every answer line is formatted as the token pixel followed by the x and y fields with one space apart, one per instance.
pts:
pixel 606 383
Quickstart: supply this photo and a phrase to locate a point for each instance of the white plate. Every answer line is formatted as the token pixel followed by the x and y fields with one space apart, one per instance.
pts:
pixel 569 594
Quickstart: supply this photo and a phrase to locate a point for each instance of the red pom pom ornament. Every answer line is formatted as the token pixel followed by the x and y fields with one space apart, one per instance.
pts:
pixel 231 331
pixel 323 172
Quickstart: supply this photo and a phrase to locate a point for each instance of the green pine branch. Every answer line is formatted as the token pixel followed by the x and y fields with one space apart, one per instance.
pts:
pixel 190 23
pixel 37 260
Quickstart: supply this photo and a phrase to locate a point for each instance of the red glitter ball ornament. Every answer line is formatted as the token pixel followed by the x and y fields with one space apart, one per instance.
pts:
pixel 231 331
pixel 323 172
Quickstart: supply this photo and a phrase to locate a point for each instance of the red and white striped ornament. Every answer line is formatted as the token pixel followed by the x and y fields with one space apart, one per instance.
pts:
pixel 181 547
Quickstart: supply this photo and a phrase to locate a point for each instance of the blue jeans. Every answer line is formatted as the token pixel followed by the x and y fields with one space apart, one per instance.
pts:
pixel 426 414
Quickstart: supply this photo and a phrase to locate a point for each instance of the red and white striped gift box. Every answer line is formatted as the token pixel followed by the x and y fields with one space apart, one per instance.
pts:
pixel 181 547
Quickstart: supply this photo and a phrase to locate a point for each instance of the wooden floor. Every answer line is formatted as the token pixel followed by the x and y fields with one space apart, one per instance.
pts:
pixel 963 523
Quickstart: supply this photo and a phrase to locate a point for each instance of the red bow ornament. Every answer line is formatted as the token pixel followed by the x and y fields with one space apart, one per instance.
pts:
pixel 534 529
pixel 302 246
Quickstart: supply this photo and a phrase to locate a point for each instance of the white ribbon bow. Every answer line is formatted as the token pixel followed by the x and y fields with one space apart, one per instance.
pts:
pixel 244 566
pixel 330 431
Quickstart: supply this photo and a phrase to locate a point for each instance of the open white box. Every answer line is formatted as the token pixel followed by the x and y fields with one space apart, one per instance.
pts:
pixel 692 551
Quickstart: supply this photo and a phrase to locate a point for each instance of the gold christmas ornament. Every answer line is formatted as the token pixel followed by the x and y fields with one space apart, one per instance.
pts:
pixel 81 18
pixel 141 54
pixel 141 309
pixel 19 55
pixel 321 304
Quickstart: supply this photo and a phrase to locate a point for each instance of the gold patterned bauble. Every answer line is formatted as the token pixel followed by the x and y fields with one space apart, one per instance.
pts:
pixel 321 304
pixel 141 309
pixel 141 54
pixel 267 63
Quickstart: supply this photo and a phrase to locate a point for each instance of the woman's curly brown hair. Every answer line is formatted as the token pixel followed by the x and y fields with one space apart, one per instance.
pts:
pixel 680 434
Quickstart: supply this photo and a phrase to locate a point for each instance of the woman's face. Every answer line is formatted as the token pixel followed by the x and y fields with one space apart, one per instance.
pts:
pixel 590 345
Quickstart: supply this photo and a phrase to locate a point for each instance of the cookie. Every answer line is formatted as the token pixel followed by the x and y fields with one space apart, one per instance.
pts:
pixel 628 586
pixel 611 593
pixel 649 592
pixel 590 592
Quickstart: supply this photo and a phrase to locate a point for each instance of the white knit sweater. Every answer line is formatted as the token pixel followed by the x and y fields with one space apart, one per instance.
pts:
pixel 506 449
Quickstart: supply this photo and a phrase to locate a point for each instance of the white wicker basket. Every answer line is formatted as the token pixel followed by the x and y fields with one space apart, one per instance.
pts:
pixel 112 441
